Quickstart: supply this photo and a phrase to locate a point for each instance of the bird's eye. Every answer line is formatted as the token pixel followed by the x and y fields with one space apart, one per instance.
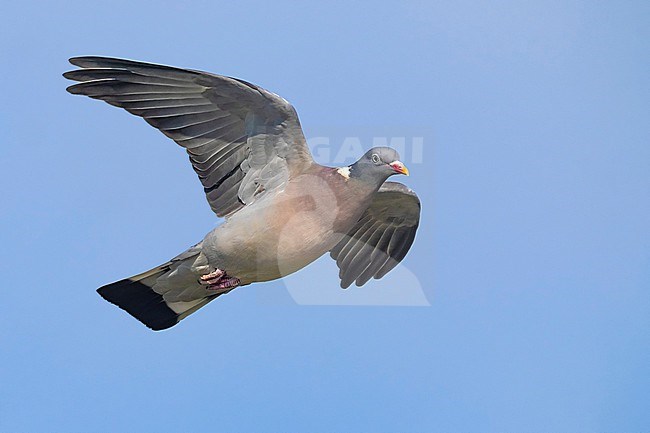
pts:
pixel 375 158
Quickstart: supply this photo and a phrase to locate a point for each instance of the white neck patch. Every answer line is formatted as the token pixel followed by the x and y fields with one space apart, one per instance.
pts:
pixel 344 171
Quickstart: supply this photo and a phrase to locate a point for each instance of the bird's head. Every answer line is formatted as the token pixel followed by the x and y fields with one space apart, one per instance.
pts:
pixel 378 164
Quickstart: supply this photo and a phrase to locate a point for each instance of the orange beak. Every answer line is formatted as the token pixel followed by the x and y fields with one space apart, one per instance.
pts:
pixel 399 167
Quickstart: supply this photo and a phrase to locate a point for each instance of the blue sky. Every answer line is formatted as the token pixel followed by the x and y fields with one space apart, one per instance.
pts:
pixel 533 251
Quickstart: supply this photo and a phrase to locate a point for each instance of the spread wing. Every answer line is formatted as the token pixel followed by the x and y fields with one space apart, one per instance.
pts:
pixel 243 141
pixel 381 238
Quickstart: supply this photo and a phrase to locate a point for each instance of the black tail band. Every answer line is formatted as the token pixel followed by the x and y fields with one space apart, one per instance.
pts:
pixel 140 301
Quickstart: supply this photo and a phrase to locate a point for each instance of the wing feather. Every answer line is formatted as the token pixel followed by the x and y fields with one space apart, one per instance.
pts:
pixel 381 238
pixel 236 134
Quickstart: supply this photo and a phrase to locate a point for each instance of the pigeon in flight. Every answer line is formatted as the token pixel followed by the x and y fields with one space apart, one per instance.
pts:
pixel 282 210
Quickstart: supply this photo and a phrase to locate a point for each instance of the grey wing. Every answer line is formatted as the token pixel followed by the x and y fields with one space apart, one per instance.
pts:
pixel 381 238
pixel 243 141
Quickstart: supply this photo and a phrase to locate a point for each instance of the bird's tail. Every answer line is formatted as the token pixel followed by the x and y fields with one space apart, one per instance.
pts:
pixel 136 295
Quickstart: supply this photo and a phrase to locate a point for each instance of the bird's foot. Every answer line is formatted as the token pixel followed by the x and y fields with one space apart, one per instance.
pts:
pixel 212 278
pixel 218 280
pixel 225 283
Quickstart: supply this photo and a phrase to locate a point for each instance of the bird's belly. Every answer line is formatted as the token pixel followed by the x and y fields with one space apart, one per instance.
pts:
pixel 269 246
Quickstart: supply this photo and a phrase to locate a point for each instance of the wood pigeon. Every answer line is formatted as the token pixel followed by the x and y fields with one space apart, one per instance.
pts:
pixel 282 210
